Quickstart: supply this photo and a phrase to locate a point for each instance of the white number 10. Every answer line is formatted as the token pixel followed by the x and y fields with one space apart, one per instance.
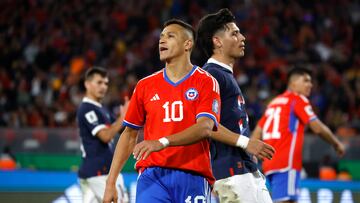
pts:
pixel 197 199
pixel 176 106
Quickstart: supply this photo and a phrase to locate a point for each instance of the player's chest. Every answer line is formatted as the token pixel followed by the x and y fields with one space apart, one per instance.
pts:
pixel 171 101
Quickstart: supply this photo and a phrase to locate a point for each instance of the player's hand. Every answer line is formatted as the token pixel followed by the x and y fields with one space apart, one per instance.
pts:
pixel 340 149
pixel 144 148
pixel 260 149
pixel 110 194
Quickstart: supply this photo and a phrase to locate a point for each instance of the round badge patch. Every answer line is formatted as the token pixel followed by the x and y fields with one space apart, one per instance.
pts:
pixel 191 94
pixel 215 106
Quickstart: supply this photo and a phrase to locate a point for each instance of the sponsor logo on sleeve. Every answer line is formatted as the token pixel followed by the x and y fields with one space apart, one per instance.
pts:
pixel 91 117
pixel 309 110
pixel 215 106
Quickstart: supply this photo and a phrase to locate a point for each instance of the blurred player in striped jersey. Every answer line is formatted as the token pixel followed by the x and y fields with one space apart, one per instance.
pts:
pixel 282 126
pixel 236 173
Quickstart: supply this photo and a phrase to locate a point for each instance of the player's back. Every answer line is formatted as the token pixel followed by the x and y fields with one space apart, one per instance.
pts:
pixel 96 154
pixel 283 127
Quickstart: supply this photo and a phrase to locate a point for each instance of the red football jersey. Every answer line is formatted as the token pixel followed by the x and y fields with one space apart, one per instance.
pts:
pixel 283 126
pixel 164 108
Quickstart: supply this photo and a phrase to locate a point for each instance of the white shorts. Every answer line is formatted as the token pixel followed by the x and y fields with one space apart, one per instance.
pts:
pixel 93 189
pixel 245 188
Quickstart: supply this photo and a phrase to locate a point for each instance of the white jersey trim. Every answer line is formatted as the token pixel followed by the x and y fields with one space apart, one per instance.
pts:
pixel 97 129
pixel 281 170
pixel 132 124
pixel 215 86
pixel 88 100
pixel 291 182
pixel 212 60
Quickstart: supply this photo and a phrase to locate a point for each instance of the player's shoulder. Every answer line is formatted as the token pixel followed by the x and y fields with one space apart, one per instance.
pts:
pixel 151 78
pixel 203 73
pixel 84 106
pixel 303 98
pixel 299 97
pixel 207 79
pixel 213 68
pixel 87 105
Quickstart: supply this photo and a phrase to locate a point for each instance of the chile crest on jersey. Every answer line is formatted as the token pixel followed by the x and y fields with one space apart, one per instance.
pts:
pixel 191 94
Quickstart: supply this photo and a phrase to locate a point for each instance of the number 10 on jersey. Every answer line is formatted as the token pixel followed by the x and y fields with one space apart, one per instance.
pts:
pixel 173 111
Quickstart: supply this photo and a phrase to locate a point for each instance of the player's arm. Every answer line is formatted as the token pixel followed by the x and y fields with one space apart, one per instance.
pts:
pixel 253 145
pixel 202 129
pixel 107 134
pixel 325 133
pixel 257 132
pixel 122 152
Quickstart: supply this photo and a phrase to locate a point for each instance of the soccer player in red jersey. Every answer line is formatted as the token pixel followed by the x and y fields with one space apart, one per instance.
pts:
pixel 177 107
pixel 282 126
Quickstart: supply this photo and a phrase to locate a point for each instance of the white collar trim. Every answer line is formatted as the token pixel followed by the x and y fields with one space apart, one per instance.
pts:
pixel 88 100
pixel 212 60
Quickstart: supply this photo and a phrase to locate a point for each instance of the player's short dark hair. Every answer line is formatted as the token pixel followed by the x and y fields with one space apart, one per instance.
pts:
pixel 89 74
pixel 183 24
pixel 298 70
pixel 209 25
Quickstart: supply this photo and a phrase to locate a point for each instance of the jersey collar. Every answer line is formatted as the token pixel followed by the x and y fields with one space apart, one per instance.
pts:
pixel 88 100
pixel 180 81
pixel 212 60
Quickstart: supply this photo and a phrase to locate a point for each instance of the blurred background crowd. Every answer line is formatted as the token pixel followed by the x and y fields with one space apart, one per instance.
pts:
pixel 45 47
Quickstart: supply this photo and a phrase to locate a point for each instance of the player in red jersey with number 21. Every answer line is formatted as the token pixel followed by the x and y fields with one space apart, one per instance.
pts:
pixel 282 126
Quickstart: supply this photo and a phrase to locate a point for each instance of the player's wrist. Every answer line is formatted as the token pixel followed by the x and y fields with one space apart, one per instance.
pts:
pixel 242 142
pixel 164 141
pixel 110 182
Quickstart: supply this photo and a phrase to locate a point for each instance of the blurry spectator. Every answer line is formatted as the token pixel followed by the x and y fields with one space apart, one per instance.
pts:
pixel 327 169
pixel 7 159
pixel 344 175
pixel 46 45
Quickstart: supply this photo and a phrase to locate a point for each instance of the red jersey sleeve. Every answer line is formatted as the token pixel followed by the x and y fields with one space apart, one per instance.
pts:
pixel 209 101
pixel 135 115
pixel 304 110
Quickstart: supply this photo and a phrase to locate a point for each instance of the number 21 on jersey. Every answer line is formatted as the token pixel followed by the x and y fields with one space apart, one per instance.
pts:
pixel 272 123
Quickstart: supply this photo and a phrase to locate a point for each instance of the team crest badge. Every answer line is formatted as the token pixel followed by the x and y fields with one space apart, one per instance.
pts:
pixel 191 94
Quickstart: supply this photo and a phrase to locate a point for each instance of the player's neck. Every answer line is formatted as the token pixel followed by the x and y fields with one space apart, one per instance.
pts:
pixel 93 98
pixel 293 90
pixel 224 59
pixel 178 69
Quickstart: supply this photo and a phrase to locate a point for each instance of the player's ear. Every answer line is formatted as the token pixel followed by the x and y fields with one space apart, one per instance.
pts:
pixel 216 41
pixel 86 84
pixel 188 44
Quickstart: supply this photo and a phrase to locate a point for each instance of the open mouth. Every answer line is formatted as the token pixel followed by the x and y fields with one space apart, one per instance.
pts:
pixel 163 49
